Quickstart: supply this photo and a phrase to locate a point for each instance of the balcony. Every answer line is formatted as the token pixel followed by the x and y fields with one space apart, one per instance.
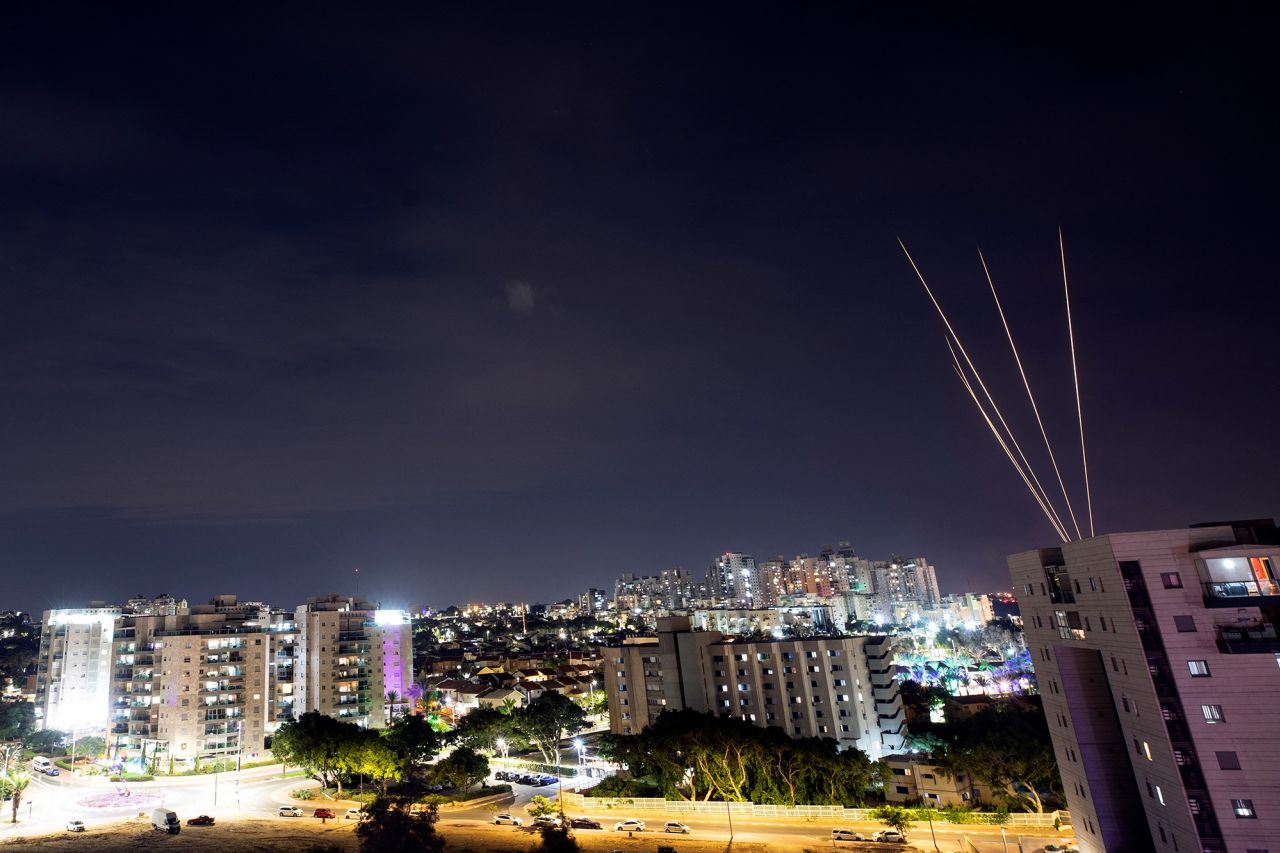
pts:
pixel 1245 593
pixel 1249 639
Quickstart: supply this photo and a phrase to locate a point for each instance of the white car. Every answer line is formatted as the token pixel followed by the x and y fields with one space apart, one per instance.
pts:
pixel 353 814
pixel 890 835
pixel 289 811
pixel 846 835
pixel 675 826
pixel 629 825
pixel 75 826
pixel 505 819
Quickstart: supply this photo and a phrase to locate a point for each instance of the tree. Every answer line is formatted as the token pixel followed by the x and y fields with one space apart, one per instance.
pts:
pixel 463 767
pixel 372 755
pixel 324 746
pixel 46 740
pixel 894 817
pixel 390 825
pixel 413 740
pixel 19 644
pixel 17 720
pixel 13 785
pixel 1008 748
pixel 481 728
pixel 90 747
pixel 556 839
pixel 540 806
pixel 547 720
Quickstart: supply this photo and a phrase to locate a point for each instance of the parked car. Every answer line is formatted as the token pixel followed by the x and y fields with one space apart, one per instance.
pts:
pixel 501 775
pixel 75 826
pixel 202 820
pixel 675 826
pixel 631 824
pixel 354 814
pixel 846 835
pixel 547 820
pixel 549 780
pixel 889 835
pixel 52 771
pixel 505 819
pixel 435 789
pixel 289 811
pixel 1059 848
pixel 585 823
pixel 323 813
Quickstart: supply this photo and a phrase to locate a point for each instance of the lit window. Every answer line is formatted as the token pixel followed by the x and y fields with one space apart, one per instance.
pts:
pixel 1199 668
pixel 1146 750
pixel 1171 580
pixel 1212 713
pixel 1243 808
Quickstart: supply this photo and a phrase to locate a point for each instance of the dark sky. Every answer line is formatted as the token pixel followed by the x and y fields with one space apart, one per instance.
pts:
pixel 502 304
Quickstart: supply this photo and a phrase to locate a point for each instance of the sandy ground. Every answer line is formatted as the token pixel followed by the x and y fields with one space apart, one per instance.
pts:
pixel 268 836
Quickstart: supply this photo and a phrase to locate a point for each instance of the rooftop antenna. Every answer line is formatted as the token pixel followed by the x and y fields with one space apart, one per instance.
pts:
pixel 357 574
pixel 1042 495
pixel 1075 376
pixel 1031 397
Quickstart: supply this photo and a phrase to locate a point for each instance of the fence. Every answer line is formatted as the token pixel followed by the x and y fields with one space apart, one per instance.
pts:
pixel 800 813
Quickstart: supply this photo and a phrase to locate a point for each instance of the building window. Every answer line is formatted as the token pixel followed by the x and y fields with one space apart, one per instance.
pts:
pixel 1243 808
pixel 1184 624
pixel 1146 750
pixel 1199 668
pixel 1171 580
pixel 1228 761
pixel 1212 713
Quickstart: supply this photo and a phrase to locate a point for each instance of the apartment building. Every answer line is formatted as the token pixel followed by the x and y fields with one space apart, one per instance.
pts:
pixel 177 684
pixel 73 667
pixel 837 687
pixel 1157 657
pixel 919 779
pixel 200 683
pixel 355 662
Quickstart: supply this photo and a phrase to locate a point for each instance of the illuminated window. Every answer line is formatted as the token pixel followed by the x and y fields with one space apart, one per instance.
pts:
pixel 1243 808
pixel 1146 750
pixel 1212 713
pixel 1199 668
pixel 1171 580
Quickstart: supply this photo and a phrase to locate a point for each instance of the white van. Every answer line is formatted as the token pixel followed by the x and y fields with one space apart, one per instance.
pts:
pixel 41 764
pixel 165 821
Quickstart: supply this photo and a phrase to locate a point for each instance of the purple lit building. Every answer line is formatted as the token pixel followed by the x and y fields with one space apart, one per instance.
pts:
pixel 1158 659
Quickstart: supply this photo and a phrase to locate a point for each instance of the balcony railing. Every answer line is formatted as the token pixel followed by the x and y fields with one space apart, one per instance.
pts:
pixel 1241 593
pixel 1250 639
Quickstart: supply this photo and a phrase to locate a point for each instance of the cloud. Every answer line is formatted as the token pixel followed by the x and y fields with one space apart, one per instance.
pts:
pixel 520 297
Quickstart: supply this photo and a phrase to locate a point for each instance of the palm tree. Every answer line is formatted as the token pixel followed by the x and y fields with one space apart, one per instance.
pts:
pixel 14 784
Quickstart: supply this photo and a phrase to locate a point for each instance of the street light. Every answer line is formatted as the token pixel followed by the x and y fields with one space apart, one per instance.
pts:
pixel 501 744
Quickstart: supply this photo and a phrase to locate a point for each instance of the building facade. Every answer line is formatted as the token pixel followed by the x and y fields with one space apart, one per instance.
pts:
pixel 73 667
pixel 837 687
pixel 1157 655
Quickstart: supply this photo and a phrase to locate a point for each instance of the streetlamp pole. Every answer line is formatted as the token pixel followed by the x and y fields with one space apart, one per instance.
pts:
pixel 729 811
pixel 934 835
pixel 1004 840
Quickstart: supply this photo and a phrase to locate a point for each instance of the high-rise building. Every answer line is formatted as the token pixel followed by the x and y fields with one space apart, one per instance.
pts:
pixel 73 667
pixel 354 660
pixel 734 578
pixel 837 687
pixel 1156 655
pixel 200 683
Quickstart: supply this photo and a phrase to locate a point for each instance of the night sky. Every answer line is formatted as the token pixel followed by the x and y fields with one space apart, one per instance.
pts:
pixel 498 305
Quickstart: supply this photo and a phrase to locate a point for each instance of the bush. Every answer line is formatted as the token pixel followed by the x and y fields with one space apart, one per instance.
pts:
pixel 302 794
pixel 612 786
pixel 959 814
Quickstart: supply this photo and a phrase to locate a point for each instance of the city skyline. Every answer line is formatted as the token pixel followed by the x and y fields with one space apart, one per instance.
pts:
pixel 483 304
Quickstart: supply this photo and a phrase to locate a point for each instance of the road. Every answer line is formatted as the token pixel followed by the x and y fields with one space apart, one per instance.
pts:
pixel 256 795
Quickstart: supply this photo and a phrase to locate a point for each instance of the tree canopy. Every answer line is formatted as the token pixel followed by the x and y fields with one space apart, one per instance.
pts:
pixel 695 756
pixel 1007 747
pixel 547 720
pixel 392 825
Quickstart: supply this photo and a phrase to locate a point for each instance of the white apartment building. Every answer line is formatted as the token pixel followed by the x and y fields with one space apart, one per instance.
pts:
pixel 73 669
pixel 354 662
pixel 837 687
